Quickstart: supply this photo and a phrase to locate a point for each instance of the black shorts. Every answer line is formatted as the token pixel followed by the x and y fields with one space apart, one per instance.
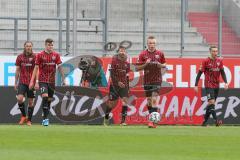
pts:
pixel 212 93
pixel 150 88
pixel 47 88
pixel 23 89
pixel 116 92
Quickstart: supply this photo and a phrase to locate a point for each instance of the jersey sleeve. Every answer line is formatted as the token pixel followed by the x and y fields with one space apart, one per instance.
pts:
pixel 141 59
pixel 38 59
pixel 221 65
pixel 58 59
pixel 163 60
pixel 18 61
pixel 128 67
pixel 202 66
pixel 113 70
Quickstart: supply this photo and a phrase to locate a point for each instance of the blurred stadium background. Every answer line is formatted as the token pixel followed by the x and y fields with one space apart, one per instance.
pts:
pixel 183 28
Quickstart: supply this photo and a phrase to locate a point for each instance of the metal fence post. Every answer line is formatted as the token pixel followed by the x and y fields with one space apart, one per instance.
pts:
pixel 67 26
pixel 58 8
pixel 220 27
pixel 102 4
pixel 15 36
pixel 29 14
pixel 60 35
pixel 186 10
pixel 144 23
pixel 59 26
pixel 105 23
pixel 182 26
pixel 74 27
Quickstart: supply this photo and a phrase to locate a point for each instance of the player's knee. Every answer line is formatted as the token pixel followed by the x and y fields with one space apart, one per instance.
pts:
pixel 155 94
pixel 44 95
pixel 125 101
pixel 112 103
pixel 20 98
pixel 31 102
pixel 50 99
pixel 154 100
pixel 149 101
pixel 211 101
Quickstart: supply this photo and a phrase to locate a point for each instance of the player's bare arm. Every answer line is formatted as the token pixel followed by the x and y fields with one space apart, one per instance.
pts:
pixel 62 74
pixel 224 77
pixel 34 77
pixel 161 65
pixel 142 66
pixel 197 80
pixel 17 74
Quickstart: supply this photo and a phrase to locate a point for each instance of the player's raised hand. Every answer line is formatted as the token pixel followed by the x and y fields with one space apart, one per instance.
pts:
pixel 36 87
pixel 226 86
pixel 64 83
pixel 196 89
pixel 31 85
pixel 121 85
pixel 15 86
pixel 148 61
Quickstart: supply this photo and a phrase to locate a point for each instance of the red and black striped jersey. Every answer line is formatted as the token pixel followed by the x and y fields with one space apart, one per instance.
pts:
pixel 119 70
pixel 47 63
pixel 152 74
pixel 211 69
pixel 26 64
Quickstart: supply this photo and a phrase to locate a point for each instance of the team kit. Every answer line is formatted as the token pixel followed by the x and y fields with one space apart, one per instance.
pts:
pixel 38 71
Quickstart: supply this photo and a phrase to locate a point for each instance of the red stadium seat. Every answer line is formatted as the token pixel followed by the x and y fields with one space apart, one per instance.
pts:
pixel 207 26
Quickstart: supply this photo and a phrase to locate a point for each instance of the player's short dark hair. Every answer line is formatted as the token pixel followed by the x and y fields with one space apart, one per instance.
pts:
pixel 121 47
pixel 212 46
pixel 27 42
pixel 48 40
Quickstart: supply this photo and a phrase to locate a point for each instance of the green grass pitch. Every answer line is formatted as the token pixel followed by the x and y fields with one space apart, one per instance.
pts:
pixel 90 142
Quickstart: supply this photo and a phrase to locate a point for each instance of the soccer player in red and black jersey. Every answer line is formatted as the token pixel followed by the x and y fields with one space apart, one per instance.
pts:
pixel 25 63
pixel 44 72
pixel 152 61
pixel 119 86
pixel 212 67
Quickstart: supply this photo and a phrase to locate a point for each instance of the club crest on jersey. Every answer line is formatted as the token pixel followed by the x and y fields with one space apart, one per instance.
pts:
pixel 53 57
pixel 218 63
pixel 157 56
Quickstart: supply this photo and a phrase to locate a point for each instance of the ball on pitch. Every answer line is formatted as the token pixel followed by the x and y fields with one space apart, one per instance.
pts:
pixel 154 117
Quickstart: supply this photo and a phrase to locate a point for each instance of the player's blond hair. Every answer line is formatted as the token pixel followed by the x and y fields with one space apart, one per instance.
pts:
pixel 151 38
